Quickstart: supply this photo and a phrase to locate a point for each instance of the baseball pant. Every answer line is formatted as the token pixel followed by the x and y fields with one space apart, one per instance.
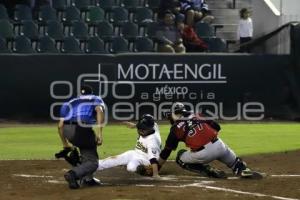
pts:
pixel 212 151
pixel 84 139
pixel 132 159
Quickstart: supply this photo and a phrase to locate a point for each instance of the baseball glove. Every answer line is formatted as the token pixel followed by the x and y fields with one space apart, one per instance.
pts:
pixel 71 155
pixel 144 170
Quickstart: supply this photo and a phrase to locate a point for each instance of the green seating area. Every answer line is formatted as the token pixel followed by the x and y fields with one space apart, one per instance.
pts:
pixel 83 26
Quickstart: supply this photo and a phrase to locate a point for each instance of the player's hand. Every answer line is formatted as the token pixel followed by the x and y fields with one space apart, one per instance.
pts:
pixel 129 124
pixel 99 140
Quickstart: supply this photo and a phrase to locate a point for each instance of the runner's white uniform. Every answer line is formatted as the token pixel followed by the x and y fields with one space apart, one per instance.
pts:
pixel 146 148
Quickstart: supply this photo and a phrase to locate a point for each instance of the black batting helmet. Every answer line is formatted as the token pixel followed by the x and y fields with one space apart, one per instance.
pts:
pixel 145 125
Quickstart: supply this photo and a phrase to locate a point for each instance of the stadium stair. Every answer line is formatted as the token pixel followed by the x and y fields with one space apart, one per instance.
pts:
pixel 227 16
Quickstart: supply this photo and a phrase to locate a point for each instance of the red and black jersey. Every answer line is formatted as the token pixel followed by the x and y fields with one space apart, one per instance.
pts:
pixel 194 131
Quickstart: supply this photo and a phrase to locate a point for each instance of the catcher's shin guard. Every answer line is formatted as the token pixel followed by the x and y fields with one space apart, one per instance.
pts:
pixel 238 166
pixel 240 169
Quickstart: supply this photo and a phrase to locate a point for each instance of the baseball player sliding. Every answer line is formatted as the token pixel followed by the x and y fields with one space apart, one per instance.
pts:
pixel 201 136
pixel 146 151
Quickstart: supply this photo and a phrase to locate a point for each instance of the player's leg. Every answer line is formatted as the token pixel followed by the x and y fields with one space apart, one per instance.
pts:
pixel 136 161
pixel 113 161
pixel 89 159
pixel 197 162
pixel 229 158
pixel 84 139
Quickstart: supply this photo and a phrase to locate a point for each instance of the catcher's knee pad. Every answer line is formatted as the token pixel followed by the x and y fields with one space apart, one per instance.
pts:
pixel 179 154
pixel 239 166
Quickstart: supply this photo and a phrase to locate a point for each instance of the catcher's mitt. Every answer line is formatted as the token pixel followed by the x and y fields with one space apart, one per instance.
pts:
pixel 71 155
pixel 144 170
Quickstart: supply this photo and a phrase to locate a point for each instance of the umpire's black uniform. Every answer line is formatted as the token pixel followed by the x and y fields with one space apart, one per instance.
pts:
pixel 79 115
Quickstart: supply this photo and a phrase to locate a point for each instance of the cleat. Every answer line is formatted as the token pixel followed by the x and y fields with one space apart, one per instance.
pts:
pixel 91 183
pixel 251 174
pixel 246 173
pixel 70 177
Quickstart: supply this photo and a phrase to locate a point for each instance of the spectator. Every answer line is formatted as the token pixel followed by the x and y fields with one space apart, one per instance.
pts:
pixel 168 35
pixel 245 28
pixel 190 39
pixel 174 6
pixel 196 10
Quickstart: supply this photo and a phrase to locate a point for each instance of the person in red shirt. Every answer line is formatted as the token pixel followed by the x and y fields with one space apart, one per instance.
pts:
pixel 201 137
pixel 191 41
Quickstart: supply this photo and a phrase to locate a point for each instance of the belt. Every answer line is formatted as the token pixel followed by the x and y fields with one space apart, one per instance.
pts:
pixel 73 123
pixel 203 147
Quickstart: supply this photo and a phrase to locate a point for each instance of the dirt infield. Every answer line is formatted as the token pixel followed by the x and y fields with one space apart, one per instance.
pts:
pixel 44 180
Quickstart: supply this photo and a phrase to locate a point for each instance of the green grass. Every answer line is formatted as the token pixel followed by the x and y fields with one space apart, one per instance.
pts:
pixel 41 142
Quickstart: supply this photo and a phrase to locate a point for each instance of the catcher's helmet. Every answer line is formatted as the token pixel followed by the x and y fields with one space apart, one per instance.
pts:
pixel 145 125
pixel 178 108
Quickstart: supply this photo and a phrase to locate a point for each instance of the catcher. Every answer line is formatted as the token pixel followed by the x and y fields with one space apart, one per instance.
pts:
pixel 201 136
pixel 146 152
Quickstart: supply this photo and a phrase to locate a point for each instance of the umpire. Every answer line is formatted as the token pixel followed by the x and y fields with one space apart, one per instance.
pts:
pixel 75 130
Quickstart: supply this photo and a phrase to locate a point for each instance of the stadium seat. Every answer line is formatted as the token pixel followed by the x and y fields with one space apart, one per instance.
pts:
pixel 95 45
pixel 3 12
pixel 71 45
pixel 119 16
pixel 130 31
pixel 3 46
pixel 55 30
pixel 82 5
pixel 131 5
pixel 6 29
pixel 107 5
pixel 22 12
pixel 151 29
pixel 105 31
pixel 46 13
pixel 119 45
pixel 153 4
pixel 70 15
pixel 80 30
pixel 30 30
pixel 22 45
pixel 143 44
pixel 95 16
pixel 217 45
pixel 143 16
pixel 59 5
pixel 46 45
pixel 204 30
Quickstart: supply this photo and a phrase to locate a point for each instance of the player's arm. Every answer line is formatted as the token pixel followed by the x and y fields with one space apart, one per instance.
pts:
pixel 129 124
pixel 154 165
pixel 153 154
pixel 64 141
pixel 171 144
pixel 99 124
